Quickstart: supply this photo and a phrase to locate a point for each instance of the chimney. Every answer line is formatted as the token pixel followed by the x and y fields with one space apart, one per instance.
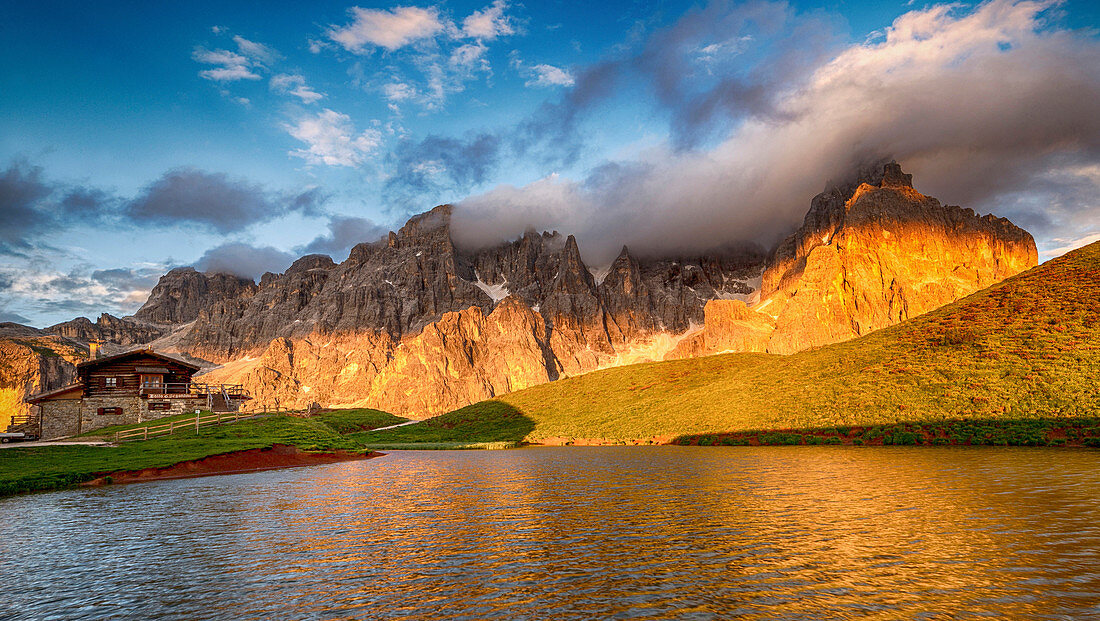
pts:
pixel 93 350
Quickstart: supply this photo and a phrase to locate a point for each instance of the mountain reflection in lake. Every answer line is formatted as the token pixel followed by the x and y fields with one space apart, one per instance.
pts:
pixel 549 533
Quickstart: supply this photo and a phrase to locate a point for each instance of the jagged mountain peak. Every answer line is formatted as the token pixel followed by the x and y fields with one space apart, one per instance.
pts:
pixel 893 177
pixel 311 262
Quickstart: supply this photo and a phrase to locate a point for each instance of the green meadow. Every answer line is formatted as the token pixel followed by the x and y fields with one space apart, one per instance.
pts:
pixel 1025 351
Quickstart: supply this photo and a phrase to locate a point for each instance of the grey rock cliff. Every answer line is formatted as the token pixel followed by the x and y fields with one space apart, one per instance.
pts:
pixel 122 331
pixel 183 293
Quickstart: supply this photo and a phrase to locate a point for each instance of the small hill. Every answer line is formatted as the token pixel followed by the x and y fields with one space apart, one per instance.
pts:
pixel 1026 348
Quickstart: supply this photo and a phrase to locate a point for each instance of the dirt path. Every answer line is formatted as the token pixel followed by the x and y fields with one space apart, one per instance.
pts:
pixel 37 443
pixel 411 422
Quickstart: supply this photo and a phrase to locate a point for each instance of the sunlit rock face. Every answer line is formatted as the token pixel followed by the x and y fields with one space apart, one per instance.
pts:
pixel 464 357
pixel 416 326
pixel 869 255
pixel 32 361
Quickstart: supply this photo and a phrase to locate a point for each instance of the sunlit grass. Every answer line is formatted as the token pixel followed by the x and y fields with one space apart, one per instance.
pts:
pixel 1025 349
pixel 50 467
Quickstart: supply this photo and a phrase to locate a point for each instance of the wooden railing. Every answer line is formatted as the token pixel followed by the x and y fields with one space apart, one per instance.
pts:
pixel 23 419
pixel 23 423
pixel 233 391
pixel 200 420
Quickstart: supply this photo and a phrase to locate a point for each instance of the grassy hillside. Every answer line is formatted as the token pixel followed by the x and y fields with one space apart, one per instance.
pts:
pixel 1027 349
pixel 24 469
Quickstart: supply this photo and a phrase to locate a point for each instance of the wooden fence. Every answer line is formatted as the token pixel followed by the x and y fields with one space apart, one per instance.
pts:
pixel 200 420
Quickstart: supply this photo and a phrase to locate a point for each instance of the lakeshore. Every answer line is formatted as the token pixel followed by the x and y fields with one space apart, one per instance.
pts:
pixel 347 435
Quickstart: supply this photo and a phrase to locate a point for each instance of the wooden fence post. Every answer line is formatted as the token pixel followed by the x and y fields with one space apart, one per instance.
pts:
pixel 146 433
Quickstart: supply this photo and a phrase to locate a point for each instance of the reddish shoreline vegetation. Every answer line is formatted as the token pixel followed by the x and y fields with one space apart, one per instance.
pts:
pixel 1075 433
pixel 275 457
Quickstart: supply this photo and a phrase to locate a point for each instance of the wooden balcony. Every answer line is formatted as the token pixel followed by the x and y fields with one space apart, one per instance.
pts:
pixel 184 390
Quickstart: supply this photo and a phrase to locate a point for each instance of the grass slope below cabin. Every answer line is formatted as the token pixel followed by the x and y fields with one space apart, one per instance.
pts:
pixel 1019 359
pixel 25 469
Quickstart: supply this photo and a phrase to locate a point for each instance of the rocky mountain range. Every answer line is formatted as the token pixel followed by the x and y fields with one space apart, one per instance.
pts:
pixel 417 326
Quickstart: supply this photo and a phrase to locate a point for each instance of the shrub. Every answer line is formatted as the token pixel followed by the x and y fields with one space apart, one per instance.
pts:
pixel 781 439
pixel 734 441
pixel 903 438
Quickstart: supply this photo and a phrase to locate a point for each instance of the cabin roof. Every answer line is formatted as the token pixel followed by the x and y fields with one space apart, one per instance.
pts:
pixel 141 369
pixel 53 394
pixel 91 364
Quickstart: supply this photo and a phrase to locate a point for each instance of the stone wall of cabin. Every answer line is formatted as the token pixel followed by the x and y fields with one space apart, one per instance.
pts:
pixel 91 419
pixel 59 418
pixel 134 410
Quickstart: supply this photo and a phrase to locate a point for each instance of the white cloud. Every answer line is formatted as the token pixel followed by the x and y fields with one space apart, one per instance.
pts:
pixel 259 53
pixel 331 139
pixel 398 91
pixel 549 75
pixel 294 84
pixel 470 56
pixel 228 74
pixel 233 66
pixel 488 23
pixel 391 29
pixel 446 56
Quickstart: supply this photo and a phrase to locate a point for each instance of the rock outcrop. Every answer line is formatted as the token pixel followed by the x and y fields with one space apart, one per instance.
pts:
pixel 125 331
pixel 32 361
pixel 182 293
pixel 869 255
pixel 526 312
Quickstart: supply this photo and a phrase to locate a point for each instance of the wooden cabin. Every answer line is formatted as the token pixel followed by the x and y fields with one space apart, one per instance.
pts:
pixel 132 387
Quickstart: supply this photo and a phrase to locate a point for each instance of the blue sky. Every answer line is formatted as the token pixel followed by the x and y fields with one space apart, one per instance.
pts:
pixel 237 135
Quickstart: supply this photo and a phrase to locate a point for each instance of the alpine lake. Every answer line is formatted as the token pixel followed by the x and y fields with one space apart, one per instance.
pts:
pixel 663 532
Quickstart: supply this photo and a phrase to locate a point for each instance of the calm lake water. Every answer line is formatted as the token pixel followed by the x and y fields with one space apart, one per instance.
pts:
pixel 550 533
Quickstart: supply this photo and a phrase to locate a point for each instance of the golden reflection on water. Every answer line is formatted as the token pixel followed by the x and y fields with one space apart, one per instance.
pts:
pixel 631 532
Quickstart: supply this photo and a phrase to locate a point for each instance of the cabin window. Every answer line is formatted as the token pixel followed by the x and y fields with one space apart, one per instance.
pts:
pixel 110 382
pixel 110 410
pixel 160 405
pixel 152 381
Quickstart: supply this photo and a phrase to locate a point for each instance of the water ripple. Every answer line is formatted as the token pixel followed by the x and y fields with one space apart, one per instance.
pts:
pixel 624 533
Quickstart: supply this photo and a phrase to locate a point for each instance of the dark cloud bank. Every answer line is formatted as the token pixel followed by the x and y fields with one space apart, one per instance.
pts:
pixel 996 108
